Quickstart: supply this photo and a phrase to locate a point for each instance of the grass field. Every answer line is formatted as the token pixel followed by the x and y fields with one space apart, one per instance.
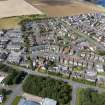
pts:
pixel 9 22
pixel 13 22
pixel 2 104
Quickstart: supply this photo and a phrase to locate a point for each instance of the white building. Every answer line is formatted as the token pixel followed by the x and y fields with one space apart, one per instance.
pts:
pixel 99 68
pixel 48 101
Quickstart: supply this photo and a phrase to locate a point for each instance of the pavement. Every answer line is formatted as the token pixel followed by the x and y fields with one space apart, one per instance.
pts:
pixel 74 90
pixel 17 91
pixel 85 36
pixel 75 85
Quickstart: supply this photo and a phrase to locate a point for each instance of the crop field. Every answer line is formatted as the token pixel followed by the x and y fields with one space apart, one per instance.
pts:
pixel 16 8
pixel 52 8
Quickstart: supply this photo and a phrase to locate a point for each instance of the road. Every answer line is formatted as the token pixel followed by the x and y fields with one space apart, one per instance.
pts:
pixel 85 36
pixel 74 90
pixel 29 71
pixel 74 84
pixel 17 91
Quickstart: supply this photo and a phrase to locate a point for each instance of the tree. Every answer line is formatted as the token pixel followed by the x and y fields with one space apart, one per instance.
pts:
pixel 48 87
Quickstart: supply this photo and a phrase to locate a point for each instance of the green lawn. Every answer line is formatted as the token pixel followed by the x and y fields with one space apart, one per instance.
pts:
pixel 16 101
pixel 13 22
pixel 84 81
pixel 2 104
pixel 78 68
pixel 9 22
pixel 103 73
pixel 90 97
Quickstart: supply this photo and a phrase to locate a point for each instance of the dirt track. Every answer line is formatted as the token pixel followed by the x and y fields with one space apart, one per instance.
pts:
pixel 16 8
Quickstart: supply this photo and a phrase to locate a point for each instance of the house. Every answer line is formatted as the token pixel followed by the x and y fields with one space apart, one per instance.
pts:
pixel 4 39
pixel 17 40
pixel 14 33
pixel 1 32
pixel 2 76
pixel 14 57
pixel 3 56
pixel 101 79
pixel 91 76
pixel 99 68
pixel 14 46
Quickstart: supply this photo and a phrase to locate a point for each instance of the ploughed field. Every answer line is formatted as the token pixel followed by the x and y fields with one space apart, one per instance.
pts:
pixel 64 7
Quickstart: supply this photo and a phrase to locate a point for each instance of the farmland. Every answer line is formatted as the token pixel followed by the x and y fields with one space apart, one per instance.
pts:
pixel 10 8
pixel 64 8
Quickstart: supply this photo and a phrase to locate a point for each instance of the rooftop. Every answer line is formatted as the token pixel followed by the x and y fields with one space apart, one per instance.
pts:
pixel 25 102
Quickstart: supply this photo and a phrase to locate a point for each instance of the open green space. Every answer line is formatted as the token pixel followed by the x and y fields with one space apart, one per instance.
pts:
pixel 77 68
pixel 83 81
pixel 100 52
pixel 48 87
pixel 14 22
pixel 16 101
pixel 90 97
pixel 9 22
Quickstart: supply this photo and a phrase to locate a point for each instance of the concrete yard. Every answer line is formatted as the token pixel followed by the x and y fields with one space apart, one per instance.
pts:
pixel 16 8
